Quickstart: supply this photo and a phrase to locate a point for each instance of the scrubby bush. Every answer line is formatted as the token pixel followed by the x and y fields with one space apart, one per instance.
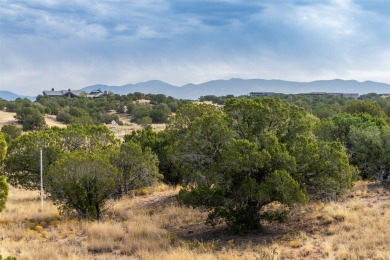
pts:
pixel 82 182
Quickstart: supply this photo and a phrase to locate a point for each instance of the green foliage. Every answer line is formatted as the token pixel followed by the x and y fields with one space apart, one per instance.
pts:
pixel 365 139
pixel 186 114
pixel 74 115
pixel 51 105
pixel 160 113
pixel 31 118
pixel 22 165
pixel 8 258
pixel 3 183
pixel 140 111
pixel 3 148
pixel 370 150
pixel 327 110
pixel 82 182
pixel 158 99
pixel 138 167
pixel 368 107
pixel 160 144
pixel 3 192
pixel 323 167
pixel 10 132
pixel 215 99
pixel 145 122
pixel 258 152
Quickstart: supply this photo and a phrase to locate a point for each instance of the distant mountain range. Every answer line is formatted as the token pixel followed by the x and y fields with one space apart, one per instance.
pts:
pixel 7 95
pixel 237 87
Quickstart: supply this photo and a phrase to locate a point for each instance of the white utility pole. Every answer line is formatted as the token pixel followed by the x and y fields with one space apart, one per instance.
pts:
pixel 41 182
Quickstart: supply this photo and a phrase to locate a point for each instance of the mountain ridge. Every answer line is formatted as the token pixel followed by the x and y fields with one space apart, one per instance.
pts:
pixel 8 95
pixel 238 86
pixel 235 86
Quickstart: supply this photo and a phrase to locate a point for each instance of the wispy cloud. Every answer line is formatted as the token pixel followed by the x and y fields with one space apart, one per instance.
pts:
pixel 62 44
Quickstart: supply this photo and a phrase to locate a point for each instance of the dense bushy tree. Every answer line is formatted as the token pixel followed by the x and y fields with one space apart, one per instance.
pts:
pixel 160 143
pixel 186 114
pixel 138 168
pixel 368 107
pixel 22 165
pixel 51 105
pixel 366 140
pixel 239 161
pixel 140 111
pixel 31 118
pixel 160 113
pixel 83 182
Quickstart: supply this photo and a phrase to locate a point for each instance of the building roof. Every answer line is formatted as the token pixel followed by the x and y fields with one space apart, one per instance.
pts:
pixel 97 94
pixel 62 93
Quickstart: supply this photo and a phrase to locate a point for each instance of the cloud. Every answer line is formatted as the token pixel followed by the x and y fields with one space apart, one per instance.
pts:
pixel 64 44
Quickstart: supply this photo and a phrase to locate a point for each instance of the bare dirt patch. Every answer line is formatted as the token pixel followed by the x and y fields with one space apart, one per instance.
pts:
pixel 7 118
pixel 52 121
pixel 128 127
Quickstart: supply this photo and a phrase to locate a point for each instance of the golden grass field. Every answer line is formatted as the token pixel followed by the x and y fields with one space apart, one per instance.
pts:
pixel 7 118
pixel 153 225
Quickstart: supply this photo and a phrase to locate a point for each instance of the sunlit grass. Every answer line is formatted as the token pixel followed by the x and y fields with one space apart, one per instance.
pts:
pixel 148 227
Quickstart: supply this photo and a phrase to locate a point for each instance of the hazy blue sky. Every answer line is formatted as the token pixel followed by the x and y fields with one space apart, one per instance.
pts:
pixel 72 44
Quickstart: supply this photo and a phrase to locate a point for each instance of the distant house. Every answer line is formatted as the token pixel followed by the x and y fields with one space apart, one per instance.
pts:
pixel 97 94
pixel 345 95
pixel 264 94
pixel 62 93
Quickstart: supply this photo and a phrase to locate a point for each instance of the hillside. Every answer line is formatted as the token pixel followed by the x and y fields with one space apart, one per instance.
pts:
pixel 7 95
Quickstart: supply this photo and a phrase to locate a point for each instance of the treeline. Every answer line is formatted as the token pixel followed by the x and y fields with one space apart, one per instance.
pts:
pixel 232 161
pixel 322 106
pixel 83 110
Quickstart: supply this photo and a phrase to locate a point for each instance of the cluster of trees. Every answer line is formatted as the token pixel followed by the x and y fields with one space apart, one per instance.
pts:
pixel 220 100
pixel 84 166
pixel 254 152
pixel 85 110
pixel 28 113
pixel 146 114
pixel 93 111
pixel 233 160
pixel 364 131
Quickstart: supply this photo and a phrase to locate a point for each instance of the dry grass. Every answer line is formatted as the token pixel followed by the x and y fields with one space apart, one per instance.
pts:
pixel 153 225
pixel 51 120
pixel 7 118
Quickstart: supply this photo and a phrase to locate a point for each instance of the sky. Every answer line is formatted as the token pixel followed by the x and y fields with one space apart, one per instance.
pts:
pixel 65 44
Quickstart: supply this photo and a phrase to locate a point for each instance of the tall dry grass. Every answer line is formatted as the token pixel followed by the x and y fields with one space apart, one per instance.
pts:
pixel 155 226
